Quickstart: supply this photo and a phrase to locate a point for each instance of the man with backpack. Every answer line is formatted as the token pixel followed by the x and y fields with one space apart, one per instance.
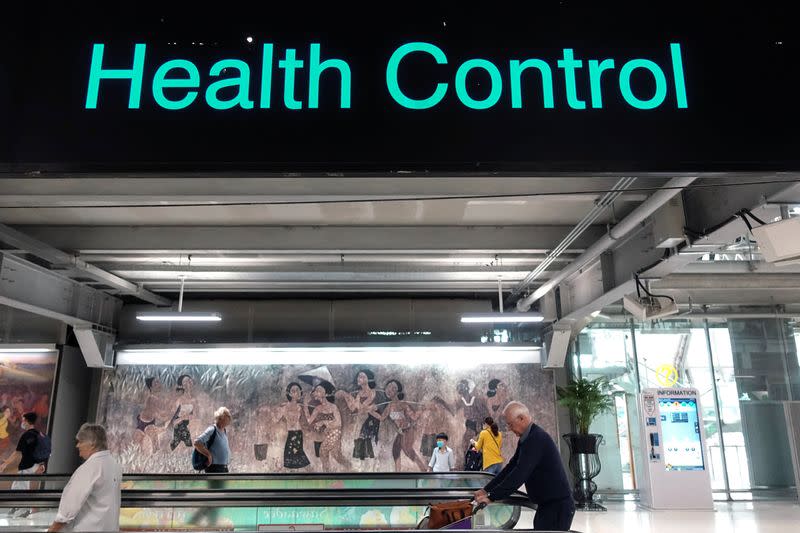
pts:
pixel 32 454
pixel 212 455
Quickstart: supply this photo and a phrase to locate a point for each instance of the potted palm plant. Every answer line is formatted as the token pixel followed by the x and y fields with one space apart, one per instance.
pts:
pixel 586 399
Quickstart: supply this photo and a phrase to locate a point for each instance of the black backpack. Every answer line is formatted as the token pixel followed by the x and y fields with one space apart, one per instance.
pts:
pixel 200 461
pixel 473 460
pixel 41 453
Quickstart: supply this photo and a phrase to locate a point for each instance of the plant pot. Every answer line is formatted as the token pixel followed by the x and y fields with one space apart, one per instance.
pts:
pixel 584 463
pixel 584 443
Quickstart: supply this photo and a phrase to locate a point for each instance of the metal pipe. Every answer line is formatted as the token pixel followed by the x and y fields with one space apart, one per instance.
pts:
pixel 500 294
pixel 672 188
pixel 635 357
pixel 180 296
pixel 597 210
pixel 784 361
pixel 717 410
pixel 713 316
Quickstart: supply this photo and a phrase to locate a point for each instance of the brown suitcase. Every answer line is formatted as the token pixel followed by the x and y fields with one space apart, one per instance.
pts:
pixel 446 513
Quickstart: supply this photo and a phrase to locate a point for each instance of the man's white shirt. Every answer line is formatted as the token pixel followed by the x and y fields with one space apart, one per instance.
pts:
pixel 92 498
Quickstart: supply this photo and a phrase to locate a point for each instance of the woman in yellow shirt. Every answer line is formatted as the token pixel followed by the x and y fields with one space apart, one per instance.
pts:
pixel 5 438
pixel 489 442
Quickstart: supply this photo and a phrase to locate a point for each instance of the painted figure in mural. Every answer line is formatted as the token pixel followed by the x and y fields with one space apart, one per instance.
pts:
pixel 436 419
pixel 153 408
pixel 361 403
pixel 184 405
pixel 473 408
pixel 404 417
pixel 18 408
pixel 327 420
pixel 496 399
pixel 42 410
pixel 292 411
pixel 314 377
pixel 5 437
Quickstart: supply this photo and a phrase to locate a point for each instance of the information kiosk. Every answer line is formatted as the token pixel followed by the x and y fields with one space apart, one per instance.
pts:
pixel 676 471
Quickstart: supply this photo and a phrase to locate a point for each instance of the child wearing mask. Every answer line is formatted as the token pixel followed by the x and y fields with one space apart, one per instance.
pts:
pixel 442 459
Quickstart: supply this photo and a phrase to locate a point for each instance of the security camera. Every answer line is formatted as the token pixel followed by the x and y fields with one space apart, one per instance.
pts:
pixel 649 307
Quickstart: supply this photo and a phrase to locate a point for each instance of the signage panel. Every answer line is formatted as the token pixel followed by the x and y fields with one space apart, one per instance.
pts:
pixel 674 474
pixel 543 87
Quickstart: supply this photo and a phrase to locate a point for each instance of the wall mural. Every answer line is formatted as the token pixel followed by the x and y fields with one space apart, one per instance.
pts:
pixel 307 418
pixel 26 382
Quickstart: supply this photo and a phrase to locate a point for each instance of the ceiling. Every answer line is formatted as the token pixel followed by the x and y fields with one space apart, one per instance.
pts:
pixel 244 235
pixel 308 201
pixel 328 234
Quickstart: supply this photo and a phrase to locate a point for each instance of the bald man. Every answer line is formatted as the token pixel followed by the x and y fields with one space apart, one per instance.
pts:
pixel 537 464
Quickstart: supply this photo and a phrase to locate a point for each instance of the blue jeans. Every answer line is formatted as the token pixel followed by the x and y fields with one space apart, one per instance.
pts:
pixel 494 469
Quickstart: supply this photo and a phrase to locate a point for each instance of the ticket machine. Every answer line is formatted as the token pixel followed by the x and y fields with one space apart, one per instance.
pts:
pixel 676 473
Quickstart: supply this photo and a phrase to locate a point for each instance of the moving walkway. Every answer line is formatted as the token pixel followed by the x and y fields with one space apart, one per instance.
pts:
pixel 269 502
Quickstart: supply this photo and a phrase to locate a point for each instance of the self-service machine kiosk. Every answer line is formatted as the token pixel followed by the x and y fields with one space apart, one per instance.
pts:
pixel 676 470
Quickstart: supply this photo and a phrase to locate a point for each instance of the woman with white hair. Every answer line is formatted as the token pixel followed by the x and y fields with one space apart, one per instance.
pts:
pixel 92 498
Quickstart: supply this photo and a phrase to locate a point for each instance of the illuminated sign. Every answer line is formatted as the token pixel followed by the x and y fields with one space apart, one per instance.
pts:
pixel 230 82
pixel 667 375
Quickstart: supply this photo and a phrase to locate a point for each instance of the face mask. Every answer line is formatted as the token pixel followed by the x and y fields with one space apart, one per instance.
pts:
pixel 440 443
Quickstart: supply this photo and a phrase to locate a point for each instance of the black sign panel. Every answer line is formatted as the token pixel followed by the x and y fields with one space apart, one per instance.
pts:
pixel 537 87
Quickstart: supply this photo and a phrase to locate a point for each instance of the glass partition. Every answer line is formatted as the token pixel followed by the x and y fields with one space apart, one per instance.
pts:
pixel 682 346
pixel 608 352
pixel 763 380
pixel 744 369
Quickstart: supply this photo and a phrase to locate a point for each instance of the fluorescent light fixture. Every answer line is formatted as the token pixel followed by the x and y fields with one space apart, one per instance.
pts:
pixel 396 333
pixel 500 318
pixel 178 316
pixel 450 355
pixel 27 348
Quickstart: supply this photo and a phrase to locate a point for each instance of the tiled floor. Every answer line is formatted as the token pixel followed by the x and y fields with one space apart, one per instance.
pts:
pixel 738 517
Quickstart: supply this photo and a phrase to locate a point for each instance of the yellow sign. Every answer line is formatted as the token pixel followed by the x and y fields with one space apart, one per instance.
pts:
pixel 667 375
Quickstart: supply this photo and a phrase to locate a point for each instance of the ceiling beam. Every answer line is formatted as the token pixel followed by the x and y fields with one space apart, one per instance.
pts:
pixel 337 286
pixel 308 239
pixel 35 289
pixel 729 282
pixel 64 261
pixel 224 185
pixel 707 208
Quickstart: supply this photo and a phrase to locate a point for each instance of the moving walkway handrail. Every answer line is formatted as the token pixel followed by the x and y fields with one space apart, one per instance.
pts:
pixel 232 476
pixel 247 497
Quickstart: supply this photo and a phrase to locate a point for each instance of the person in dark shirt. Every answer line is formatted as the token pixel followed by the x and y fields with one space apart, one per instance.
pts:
pixel 537 464
pixel 23 455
